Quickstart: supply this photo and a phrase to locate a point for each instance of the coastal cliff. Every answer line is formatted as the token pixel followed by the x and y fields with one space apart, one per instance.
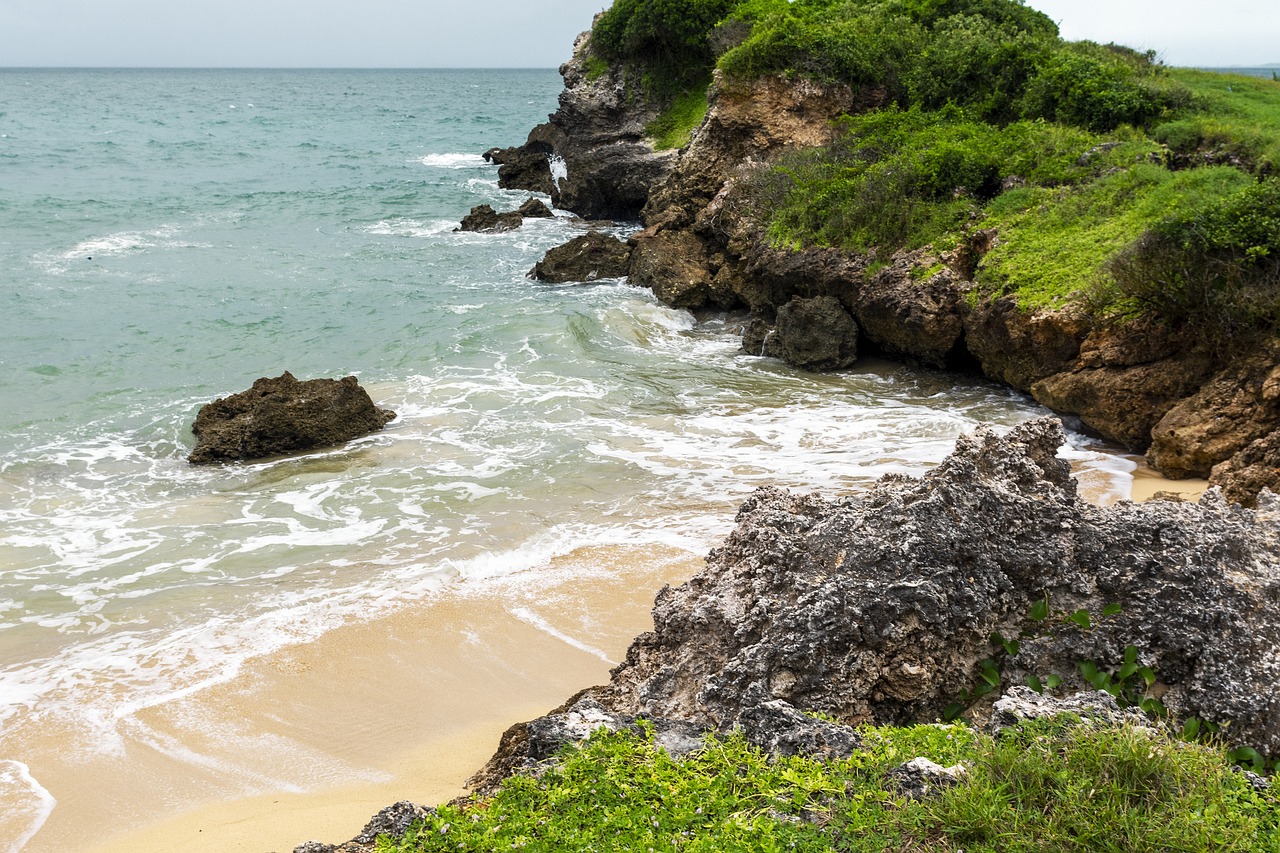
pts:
pixel 1190 389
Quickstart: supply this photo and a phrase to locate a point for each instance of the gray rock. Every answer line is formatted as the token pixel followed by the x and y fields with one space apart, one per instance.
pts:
pixel 920 777
pixel 282 415
pixel 393 821
pixel 879 608
pixel 1023 703
pixel 778 728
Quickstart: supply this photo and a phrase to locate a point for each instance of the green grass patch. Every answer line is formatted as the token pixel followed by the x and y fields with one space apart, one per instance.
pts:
pixel 674 127
pixel 1048 786
pixel 1055 245
pixel 1237 115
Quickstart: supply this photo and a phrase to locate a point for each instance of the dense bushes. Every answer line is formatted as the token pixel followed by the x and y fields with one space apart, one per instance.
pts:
pixel 905 177
pixel 669 37
pixel 1217 265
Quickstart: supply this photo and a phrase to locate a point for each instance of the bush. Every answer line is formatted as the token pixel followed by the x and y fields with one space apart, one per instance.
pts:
pixel 1217 265
pixel 671 37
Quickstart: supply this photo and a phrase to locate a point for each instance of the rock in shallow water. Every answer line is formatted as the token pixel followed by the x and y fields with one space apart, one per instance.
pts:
pixel 282 415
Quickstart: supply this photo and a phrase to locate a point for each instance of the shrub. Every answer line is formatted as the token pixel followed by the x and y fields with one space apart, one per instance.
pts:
pixel 1217 265
pixel 671 37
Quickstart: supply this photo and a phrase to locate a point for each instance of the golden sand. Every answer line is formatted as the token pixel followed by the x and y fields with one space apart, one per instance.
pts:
pixel 309 742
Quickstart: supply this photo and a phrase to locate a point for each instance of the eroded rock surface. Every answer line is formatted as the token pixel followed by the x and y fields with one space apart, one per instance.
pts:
pixel 283 415
pixel 592 256
pixel 879 608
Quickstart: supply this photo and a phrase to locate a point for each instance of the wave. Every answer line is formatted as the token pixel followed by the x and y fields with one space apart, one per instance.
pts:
pixel 454 161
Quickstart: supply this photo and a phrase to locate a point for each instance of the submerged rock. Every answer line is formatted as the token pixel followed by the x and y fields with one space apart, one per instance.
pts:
pixel 282 415
pixel 592 256
pixel 483 218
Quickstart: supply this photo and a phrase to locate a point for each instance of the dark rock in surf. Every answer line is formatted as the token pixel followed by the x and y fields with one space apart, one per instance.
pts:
pixel 592 256
pixel 484 219
pixel 534 209
pixel 281 416
pixel 817 334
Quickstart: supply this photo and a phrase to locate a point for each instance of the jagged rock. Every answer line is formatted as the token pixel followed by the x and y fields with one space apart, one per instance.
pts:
pixel 817 334
pixel 282 415
pixel 921 777
pixel 1023 703
pixel 879 608
pixel 676 267
pixel 1020 347
pixel 592 256
pixel 1244 476
pixel 1232 411
pixel 524 167
pixel 483 218
pixel 780 729
pixel 534 209
pixel 393 822
pixel 525 747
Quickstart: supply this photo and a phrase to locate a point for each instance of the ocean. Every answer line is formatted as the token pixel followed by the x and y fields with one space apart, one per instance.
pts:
pixel 169 236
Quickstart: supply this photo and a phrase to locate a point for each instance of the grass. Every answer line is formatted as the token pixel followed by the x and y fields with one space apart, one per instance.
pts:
pixel 1236 114
pixel 1047 786
pixel 674 127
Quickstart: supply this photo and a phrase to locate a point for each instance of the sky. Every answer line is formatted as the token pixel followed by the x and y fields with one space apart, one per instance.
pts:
pixel 506 33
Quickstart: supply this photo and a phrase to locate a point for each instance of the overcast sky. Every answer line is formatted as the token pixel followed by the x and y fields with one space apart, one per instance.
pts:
pixel 506 33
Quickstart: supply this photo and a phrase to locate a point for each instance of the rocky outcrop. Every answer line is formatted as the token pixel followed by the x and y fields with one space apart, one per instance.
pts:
pixel 592 256
pixel 880 608
pixel 676 267
pixel 916 321
pixel 592 155
pixel 282 415
pixel 483 218
pixel 1239 406
pixel 1256 467
pixel 815 334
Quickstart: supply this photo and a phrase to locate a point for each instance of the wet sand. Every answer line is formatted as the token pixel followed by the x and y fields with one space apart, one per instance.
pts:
pixel 310 742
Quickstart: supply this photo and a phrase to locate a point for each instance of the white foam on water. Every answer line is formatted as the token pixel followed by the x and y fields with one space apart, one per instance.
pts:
pixel 24 821
pixel 454 161
pixel 410 227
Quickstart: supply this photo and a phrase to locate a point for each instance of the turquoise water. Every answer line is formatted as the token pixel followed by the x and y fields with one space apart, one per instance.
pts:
pixel 166 237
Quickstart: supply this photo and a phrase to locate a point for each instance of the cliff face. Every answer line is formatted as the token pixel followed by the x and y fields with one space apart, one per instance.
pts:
pixel 1147 387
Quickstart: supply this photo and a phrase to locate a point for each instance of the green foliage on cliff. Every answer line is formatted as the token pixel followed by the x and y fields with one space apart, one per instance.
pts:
pixel 676 124
pixel 670 37
pixel 1046 786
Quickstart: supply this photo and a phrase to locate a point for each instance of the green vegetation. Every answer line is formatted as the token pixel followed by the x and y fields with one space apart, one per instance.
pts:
pixel 676 124
pixel 1047 786
pixel 1094 164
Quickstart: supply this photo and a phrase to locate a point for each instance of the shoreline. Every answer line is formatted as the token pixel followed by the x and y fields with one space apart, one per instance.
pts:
pixel 309 742
pixel 514 650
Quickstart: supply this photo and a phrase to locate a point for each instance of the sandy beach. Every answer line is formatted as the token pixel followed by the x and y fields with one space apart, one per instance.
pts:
pixel 401 707
pixel 309 742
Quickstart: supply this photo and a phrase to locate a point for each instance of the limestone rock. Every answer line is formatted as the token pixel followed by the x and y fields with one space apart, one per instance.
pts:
pixel 534 208
pixel 817 334
pixel 282 415
pixel 879 608
pixel 1023 703
pixel 592 256
pixel 525 747
pixel 675 265
pixel 920 777
pixel 525 167
pixel 1238 407
pixel 1245 475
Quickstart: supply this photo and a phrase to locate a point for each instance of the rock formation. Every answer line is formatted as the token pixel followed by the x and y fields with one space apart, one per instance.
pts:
pixel 282 415
pixel 483 218
pixel 879 608
pixel 592 256
pixel 703 246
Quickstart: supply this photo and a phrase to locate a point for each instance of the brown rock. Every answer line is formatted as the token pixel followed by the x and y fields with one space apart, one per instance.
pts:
pixel 1122 403
pixel 1234 409
pixel 592 256
pixel 1020 347
pixel 676 266
pixel 282 415
pixel 484 218
pixel 1245 475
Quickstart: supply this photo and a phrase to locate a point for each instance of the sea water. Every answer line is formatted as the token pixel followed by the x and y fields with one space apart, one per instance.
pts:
pixel 167 237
